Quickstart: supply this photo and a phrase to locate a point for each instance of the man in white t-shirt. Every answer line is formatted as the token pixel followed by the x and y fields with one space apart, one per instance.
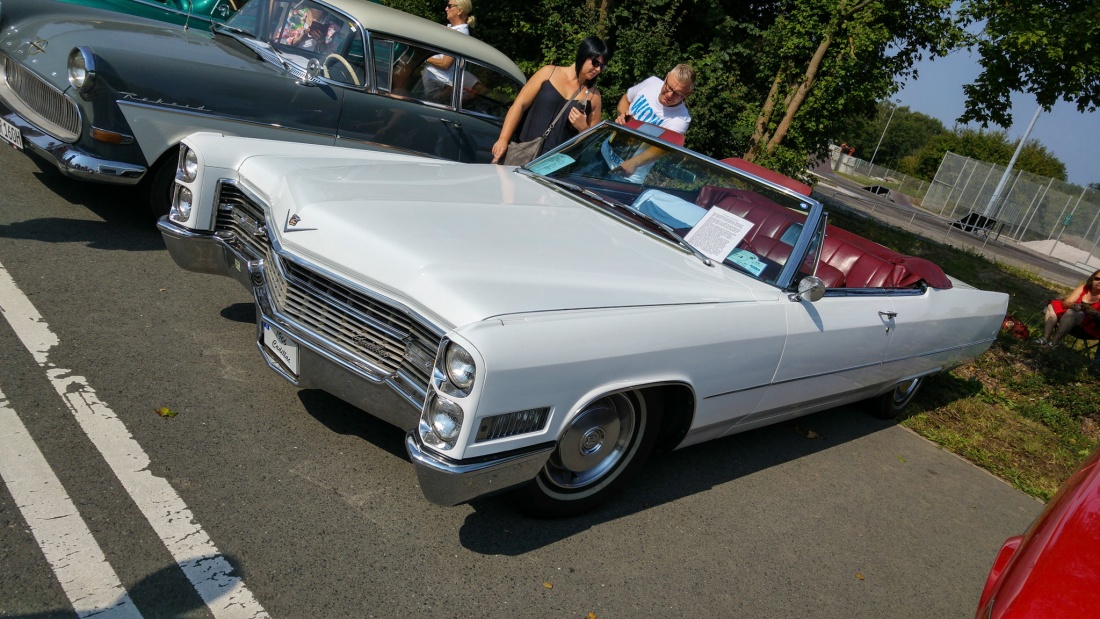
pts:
pixel 657 102
pixel 660 102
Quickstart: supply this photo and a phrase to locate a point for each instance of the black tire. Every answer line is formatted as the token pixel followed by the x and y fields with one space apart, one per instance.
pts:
pixel 892 403
pixel 157 184
pixel 598 453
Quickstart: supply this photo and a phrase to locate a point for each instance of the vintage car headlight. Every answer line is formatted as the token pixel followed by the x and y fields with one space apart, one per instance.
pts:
pixel 188 165
pixel 181 204
pixel 442 423
pixel 81 68
pixel 459 366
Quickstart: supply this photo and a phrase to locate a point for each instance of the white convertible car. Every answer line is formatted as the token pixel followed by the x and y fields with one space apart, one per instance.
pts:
pixel 545 328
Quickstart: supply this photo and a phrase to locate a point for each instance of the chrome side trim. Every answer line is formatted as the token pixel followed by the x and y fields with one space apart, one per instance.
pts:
pixel 860 367
pixel 449 482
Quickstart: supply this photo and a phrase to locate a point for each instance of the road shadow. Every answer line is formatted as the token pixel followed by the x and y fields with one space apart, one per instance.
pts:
pixel 343 418
pixel 240 312
pixel 669 477
pixel 164 593
pixel 126 222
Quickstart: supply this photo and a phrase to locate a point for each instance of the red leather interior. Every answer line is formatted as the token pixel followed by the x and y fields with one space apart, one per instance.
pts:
pixel 847 260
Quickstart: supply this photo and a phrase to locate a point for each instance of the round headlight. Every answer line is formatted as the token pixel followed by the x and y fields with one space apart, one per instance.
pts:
pixel 81 68
pixel 181 205
pixel 445 418
pixel 459 365
pixel 189 165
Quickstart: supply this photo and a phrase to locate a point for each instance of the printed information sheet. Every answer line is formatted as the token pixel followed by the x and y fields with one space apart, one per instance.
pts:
pixel 717 233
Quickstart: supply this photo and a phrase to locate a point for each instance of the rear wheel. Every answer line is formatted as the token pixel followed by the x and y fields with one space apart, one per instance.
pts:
pixel 892 403
pixel 600 450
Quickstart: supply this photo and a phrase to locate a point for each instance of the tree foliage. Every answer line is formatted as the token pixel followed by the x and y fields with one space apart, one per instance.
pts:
pixel 1048 48
pixel 906 134
pixel 983 145
pixel 745 54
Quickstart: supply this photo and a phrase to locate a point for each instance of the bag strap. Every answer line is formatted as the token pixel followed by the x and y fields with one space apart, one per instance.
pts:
pixel 562 111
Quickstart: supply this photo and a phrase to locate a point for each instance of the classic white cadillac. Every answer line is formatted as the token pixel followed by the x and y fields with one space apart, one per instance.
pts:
pixel 545 328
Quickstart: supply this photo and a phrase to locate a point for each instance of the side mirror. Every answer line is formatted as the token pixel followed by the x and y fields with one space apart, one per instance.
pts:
pixel 313 69
pixel 811 288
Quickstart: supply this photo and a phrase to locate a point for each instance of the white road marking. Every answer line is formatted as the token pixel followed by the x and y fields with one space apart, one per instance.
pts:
pixel 209 572
pixel 87 578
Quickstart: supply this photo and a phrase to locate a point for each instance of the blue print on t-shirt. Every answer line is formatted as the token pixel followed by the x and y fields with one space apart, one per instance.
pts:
pixel 641 110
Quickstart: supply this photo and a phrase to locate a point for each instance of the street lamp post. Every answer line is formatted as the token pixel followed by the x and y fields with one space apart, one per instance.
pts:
pixel 888 119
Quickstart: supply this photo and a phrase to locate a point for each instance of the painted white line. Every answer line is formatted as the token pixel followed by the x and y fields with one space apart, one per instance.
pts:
pixel 88 580
pixel 209 572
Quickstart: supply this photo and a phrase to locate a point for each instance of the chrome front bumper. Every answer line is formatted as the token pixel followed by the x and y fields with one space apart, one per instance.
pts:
pixel 450 482
pixel 72 162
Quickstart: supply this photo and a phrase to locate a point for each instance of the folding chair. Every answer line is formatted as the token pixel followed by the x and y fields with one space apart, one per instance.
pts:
pixel 1089 345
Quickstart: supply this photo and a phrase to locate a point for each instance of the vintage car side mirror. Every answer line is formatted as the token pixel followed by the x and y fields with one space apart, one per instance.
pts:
pixel 811 288
pixel 313 69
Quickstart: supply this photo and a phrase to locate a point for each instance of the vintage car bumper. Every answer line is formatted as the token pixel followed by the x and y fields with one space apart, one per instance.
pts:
pixel 318 366
pixel 72 161
pixel 450 482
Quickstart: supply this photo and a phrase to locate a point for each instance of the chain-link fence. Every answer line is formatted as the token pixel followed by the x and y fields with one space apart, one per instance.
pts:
pixel 866 173
pixel 1046 214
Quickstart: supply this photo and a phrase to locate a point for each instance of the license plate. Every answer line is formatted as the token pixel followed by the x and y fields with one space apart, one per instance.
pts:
pixel 285 349
pixel 10 133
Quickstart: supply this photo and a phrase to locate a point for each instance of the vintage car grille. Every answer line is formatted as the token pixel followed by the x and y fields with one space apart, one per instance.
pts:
pixel 379 336
pixel 373 330
pixel 242 217
pixel 56 113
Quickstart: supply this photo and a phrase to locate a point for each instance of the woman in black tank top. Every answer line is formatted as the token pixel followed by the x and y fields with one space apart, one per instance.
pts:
pixel 546 92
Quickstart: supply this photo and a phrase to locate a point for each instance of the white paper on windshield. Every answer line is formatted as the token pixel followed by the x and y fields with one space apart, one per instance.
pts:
pixel 552 163
pixel 717 233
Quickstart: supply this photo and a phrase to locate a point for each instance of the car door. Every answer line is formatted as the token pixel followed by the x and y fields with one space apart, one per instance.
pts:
pixel 835 348
pixel 406 109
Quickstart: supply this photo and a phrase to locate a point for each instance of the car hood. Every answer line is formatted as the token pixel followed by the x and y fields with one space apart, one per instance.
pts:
pixel 466 242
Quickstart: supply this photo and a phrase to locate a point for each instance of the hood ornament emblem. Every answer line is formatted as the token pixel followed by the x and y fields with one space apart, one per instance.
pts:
pixel 292 221
pixel 37 46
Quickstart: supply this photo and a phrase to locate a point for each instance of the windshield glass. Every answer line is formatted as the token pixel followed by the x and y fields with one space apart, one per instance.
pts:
pixel 746 224
pixel 299 30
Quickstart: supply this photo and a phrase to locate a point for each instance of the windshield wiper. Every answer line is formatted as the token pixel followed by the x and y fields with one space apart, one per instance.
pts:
pixel 667 229
pixel 262 48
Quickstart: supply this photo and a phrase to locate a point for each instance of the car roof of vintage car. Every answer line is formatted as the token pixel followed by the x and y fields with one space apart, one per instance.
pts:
pixel 382 19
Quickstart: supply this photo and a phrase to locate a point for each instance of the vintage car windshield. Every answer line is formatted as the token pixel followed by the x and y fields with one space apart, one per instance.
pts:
pixel 746 224
pixel 301 30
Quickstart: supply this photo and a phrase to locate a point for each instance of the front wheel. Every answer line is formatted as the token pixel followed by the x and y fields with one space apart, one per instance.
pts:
pixel 603 446
pixel 158 182
pixel 892 403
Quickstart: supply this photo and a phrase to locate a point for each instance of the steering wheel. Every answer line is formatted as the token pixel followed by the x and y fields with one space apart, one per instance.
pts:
pixel 343 61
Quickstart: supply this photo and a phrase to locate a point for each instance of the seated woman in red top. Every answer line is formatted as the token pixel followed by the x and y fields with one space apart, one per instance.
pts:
pixel 1080 307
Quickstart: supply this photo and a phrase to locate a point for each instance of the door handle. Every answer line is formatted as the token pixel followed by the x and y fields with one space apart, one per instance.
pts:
pixel 888 316
pixel 453 123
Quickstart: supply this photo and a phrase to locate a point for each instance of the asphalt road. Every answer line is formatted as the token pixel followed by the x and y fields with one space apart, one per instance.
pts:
pixel 316 508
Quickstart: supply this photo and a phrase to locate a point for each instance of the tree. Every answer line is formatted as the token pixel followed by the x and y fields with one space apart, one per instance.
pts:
pixel 908 132
pixel 832 59
pixel 988 146
pixel 1048 48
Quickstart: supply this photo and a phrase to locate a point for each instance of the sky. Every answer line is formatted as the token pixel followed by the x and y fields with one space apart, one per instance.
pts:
pixel 1073 137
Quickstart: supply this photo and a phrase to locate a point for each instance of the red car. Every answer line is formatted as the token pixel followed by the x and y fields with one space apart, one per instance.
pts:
pixel 1053 570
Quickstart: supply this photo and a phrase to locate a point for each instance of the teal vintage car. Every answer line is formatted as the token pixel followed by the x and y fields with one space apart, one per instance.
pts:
pixel 179 12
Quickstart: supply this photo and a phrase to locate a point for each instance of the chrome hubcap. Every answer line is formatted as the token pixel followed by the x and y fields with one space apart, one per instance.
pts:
pixel 594 443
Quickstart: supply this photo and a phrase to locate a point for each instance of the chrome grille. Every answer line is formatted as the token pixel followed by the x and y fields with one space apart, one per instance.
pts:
pixel 370 328
pixel 242 217
pixel 511 424
pixel 51 106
